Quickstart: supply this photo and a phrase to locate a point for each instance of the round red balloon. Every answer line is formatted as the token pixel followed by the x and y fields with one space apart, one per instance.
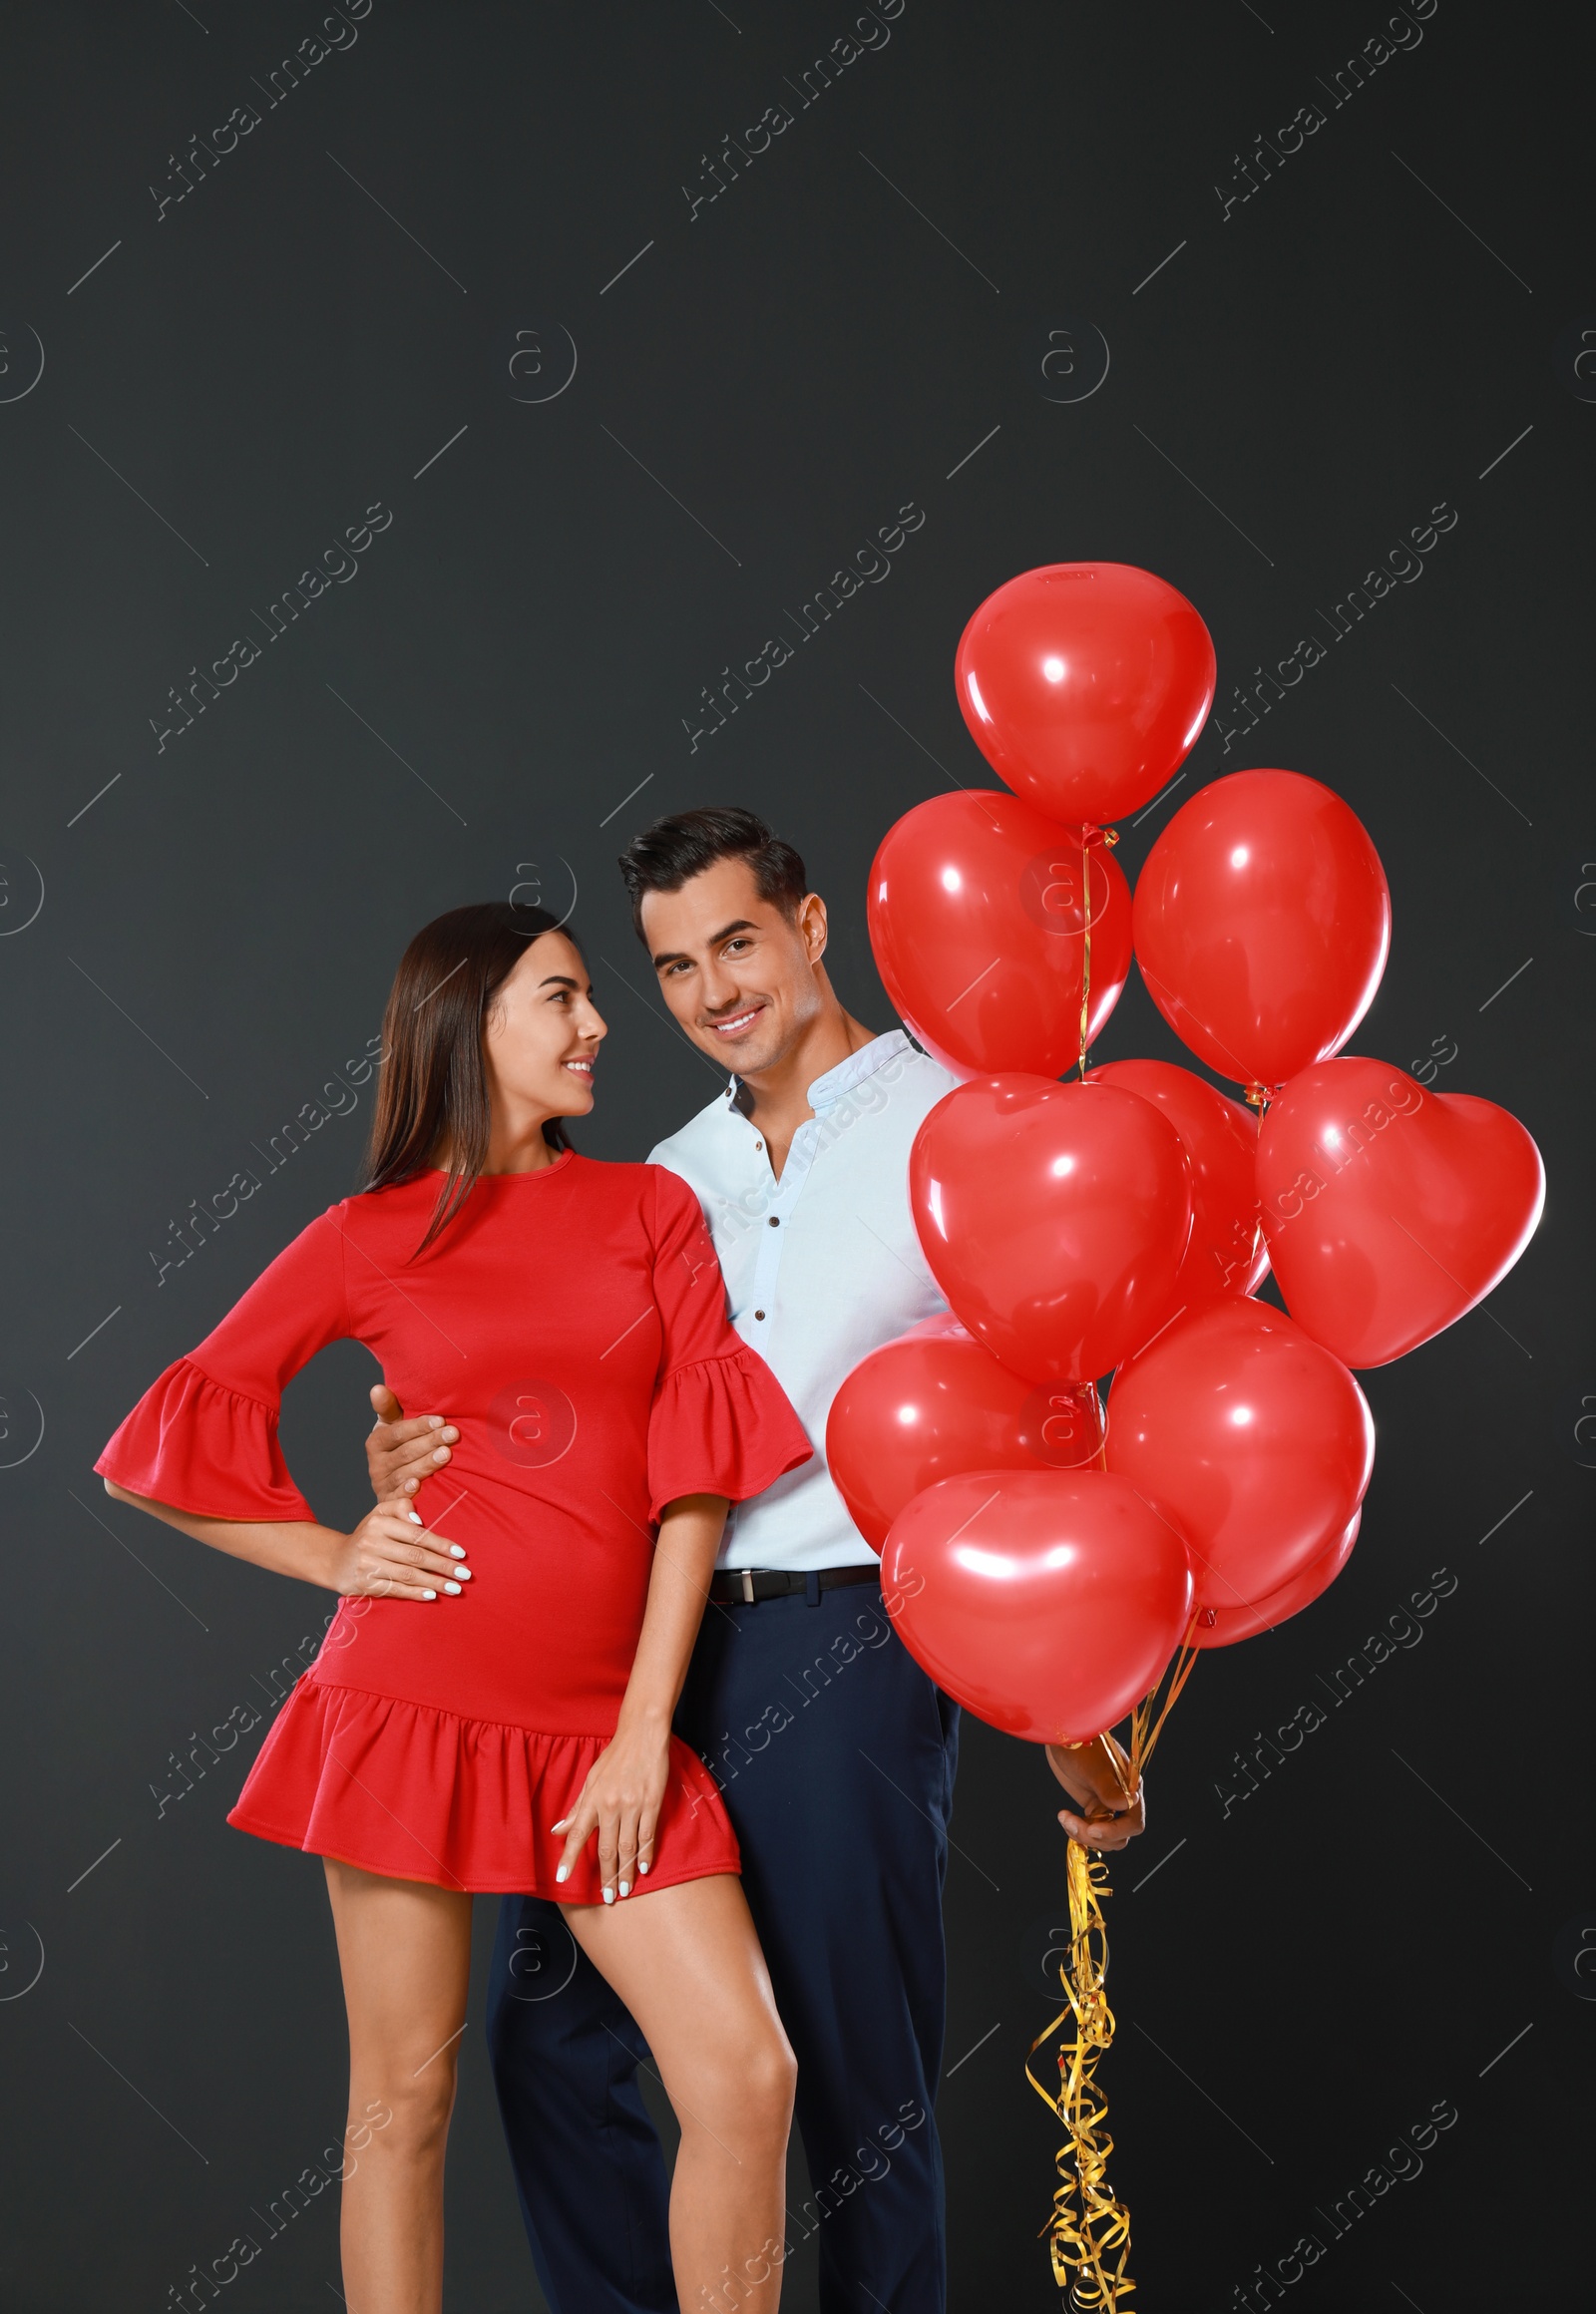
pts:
pixel 1390 1210
pixel 1048 1602
pixel 1223 1626
pixel 1255 1442
pixel 934 1403
pixel 1262 921
pixel 1055 1219
pixel 1084 685
pixel 979 912
pixel 1228 1253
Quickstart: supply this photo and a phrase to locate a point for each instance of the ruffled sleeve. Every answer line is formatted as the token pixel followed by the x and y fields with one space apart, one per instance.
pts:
pixel 204 1438
pixel 721 1422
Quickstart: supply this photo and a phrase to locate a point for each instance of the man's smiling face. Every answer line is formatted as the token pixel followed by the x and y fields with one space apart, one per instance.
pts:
pixel 737 971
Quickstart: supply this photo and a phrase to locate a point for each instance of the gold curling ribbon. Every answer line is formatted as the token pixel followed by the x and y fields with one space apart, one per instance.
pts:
pixel 1085 958
pixel 1108 837
pixel 1088 2227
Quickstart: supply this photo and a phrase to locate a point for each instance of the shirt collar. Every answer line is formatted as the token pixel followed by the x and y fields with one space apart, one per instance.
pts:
pixel 829 1088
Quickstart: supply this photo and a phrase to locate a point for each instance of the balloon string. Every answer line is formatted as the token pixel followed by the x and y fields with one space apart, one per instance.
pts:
pixel 1088 2224
pixel 1085 2233
pixel 1143 1737
pixel 1086 964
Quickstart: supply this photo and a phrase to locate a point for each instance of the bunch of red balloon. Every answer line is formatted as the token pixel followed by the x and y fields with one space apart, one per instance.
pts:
pixel 1044 1558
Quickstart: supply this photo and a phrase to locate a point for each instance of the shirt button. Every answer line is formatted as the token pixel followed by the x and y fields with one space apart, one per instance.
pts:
pixel 759 1313
pixel 775 1221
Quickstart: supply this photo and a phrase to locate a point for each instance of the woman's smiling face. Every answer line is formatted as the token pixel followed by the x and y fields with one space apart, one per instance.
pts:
pixel 541 1035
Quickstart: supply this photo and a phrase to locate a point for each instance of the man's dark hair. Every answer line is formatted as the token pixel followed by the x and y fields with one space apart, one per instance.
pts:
pixel 667 855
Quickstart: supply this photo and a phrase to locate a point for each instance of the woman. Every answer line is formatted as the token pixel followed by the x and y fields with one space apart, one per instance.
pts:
pixel 521 1737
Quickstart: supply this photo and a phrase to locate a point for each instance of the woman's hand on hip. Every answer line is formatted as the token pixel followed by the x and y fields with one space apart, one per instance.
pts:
pixel 391 1555
pixel 620 1801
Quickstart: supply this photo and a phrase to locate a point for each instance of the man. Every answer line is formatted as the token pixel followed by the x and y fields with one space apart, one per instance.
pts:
pixel 833 1750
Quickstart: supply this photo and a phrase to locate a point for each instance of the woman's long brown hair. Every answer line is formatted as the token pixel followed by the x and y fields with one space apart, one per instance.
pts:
pixel 433 1094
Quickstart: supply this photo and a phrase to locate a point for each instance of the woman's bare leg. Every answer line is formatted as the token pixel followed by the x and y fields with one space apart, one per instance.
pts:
pixel 687 1964
pixel 405 1952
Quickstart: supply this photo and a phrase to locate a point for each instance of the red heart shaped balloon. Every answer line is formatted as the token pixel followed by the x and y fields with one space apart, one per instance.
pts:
pixel 1255 1441
pixel 1224 1625
pixel 1262 922
pixel 934 1403
pixel 1389 1210
pixel 1084 685
pixel 1055 1219
pixel 977 909
pixel 1049 1601
pixel 1227 1254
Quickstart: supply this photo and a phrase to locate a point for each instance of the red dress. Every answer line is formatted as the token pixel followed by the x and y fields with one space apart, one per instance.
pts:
pixel 572 1322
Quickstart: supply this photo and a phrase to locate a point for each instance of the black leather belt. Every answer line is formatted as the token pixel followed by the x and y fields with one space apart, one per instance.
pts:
pixel 742 1586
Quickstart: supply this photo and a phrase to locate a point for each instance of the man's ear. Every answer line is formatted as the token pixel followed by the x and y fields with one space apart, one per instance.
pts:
pixel 813 926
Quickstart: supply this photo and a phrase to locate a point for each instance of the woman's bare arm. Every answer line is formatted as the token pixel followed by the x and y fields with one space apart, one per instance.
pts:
pixel 625 1786
pixel 678 1591
pixel 388 1556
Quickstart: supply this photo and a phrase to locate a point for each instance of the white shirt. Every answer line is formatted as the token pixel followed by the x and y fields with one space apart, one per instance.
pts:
pixel 822 1267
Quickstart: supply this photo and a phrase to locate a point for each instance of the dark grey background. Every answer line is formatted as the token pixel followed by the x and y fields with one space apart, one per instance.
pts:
pixel 1368 337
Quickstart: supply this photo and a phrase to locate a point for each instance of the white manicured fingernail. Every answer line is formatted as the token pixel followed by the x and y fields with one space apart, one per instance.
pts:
pixel 642 1865
pixel 414 1516
pixel 565 1869
pixel 624 1888
pixel 455 1550
pixel 610 1896
pixel 463 1573
pixel 429 1594
pixel 453 1589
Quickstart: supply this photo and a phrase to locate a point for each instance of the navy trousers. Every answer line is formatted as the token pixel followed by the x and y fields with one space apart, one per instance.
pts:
pixel 836 1756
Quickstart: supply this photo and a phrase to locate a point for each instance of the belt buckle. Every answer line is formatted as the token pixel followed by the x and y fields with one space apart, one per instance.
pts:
pixel 747 1586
